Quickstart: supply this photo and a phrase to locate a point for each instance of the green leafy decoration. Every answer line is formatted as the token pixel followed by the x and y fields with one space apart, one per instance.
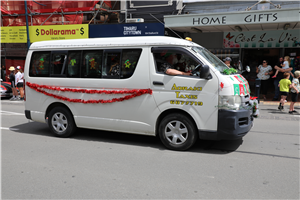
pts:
pixel 230 71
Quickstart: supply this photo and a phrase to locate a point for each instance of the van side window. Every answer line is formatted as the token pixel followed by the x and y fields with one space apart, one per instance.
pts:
pixel 91 64
pixel 130 58
pixel 58 61
pixel 73 64
pixel 174 59
pixel 111 67
pixel 39 64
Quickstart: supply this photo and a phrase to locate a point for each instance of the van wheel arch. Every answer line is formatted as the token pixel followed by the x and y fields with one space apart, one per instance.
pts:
pixel 171 111
pixel 56 104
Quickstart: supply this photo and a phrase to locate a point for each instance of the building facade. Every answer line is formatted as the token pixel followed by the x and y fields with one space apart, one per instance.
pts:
pixel 246 31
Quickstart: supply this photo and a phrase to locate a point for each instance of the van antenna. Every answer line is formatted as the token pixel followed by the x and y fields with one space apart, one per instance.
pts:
pixel 165 25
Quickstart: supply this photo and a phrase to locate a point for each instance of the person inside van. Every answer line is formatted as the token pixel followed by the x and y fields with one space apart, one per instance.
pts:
pixel 115 66
pixel 168 66
pixel 227 61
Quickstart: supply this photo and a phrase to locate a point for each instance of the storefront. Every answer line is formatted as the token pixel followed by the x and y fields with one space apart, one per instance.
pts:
pixel 246 36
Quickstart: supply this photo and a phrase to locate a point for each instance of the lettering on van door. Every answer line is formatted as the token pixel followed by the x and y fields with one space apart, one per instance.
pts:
pixel 181 96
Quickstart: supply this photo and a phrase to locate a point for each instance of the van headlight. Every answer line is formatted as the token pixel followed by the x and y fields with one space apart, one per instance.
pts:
pixel 230 102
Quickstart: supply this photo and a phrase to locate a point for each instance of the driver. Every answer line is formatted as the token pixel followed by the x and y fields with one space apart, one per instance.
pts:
pixel 168 66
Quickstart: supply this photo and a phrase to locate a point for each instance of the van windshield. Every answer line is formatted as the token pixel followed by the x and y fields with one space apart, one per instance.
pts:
pixel 211 58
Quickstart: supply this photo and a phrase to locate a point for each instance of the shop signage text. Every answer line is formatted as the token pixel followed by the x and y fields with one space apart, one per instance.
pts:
pixel 247 19
pixel 261 17
pixel 58 32
pixel 121 30
pixel 14 34
pixel 209 20
pixel 233 18
pixel 261 39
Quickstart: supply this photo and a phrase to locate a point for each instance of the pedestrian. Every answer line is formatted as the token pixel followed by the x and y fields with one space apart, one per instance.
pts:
pixel 3 72
pixel 227 61
pixel 284 85
pixel 13 84
pixel 284 65
pixel 263 73
pixel 19 81
pixel 295 88
pixel 279 77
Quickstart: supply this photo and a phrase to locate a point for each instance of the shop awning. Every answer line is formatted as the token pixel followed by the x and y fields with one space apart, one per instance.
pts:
pixel 257 20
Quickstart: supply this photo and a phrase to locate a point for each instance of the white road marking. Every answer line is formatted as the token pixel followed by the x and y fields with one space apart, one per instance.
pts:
pixel 10 113
pixel 10 129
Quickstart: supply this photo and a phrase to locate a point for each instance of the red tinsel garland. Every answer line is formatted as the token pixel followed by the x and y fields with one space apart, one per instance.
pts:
pixel 133 93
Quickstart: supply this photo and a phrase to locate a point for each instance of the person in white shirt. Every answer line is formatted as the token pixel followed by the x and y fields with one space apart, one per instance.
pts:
pixel 19 82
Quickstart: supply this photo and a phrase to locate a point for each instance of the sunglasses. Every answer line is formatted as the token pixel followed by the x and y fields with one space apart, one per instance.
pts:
pixel 264 62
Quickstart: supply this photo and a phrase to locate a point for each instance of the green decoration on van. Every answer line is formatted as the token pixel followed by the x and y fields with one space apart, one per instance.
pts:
pixel 230 71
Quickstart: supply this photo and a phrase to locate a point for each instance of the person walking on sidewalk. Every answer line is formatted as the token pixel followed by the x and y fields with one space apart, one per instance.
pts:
pixel 279 77
pixel 19 82
pixel 13 84
pixel 295 88
pixel 263 73
pixel 284 85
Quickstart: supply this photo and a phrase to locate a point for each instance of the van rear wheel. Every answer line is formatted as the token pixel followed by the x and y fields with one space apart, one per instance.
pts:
pixel 61 122
pixel 177 132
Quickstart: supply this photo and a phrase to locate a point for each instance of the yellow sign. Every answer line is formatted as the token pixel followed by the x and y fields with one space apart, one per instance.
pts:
pixel 14 34
pixel 58 32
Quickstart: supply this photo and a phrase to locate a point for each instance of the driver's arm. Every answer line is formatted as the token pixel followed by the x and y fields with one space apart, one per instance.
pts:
pixel 176 72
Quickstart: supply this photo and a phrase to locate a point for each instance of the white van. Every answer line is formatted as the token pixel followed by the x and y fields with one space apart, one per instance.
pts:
pixel 117 84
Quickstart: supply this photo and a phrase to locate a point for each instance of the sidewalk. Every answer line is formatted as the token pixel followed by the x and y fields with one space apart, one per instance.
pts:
pixel 270 101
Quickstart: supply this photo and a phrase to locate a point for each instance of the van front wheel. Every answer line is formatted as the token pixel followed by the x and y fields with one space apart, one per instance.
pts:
pixel 177 132
pixel 61 122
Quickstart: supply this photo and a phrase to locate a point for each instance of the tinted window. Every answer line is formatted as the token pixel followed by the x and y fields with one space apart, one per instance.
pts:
pixel 111 67
pixel 91 64
pixel 175 59
pixel 40 64
pixel 58 61
pixel 73 64
pixel 130 58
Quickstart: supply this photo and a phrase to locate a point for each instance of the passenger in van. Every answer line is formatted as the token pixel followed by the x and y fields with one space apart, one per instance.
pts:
pixel 115 67
pixel 227 61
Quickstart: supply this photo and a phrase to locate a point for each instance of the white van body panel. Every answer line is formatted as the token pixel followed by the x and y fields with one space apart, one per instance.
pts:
pixel 206 115
pixel 140 114
pixel 118 116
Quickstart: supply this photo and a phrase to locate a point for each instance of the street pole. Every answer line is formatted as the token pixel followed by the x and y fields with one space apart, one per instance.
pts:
pixel 27 28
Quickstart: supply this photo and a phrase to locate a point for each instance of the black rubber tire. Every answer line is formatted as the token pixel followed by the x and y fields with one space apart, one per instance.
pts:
pixel 61 122
pixel 177 132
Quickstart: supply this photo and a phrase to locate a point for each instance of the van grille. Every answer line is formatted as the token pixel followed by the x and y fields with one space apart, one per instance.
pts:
pixel 243 121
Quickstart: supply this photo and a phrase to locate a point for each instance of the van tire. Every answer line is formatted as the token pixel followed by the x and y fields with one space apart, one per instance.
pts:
pixel 61 122
pixel 177 132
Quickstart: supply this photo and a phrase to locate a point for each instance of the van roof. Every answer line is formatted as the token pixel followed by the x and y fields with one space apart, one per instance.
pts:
pixel 113 42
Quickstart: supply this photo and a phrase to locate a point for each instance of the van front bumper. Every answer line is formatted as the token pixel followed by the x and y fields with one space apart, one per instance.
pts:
pixel 232 125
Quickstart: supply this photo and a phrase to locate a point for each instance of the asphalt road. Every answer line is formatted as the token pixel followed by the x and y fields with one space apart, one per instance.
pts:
pixel 109 165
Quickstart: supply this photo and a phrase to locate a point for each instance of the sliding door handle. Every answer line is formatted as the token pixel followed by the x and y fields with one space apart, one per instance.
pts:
pixel 157 83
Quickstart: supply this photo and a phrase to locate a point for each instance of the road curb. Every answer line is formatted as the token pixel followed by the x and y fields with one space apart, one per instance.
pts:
pixel 276 103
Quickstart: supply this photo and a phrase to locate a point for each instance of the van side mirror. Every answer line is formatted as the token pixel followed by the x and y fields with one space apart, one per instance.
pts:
pixel 205 73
